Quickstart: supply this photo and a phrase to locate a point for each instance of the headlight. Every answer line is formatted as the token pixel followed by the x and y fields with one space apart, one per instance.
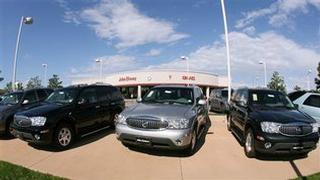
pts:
pixel 315 127
pixel 121 119
pixel 38 121
pixel 270 127
pixel 178 123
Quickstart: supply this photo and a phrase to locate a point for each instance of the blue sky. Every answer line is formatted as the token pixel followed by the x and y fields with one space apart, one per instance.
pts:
pixel 70 35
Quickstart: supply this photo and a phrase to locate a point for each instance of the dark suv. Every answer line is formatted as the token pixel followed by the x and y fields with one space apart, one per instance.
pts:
pixel 266 121
pixel 67 112
pixel 218 100
pixel 12 103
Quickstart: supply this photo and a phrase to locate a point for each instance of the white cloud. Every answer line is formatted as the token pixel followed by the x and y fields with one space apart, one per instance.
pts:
pixel 281 54
pixel 279 13
pixel 122 22
pixel 110 64
pixel 153 52
pixel 251 30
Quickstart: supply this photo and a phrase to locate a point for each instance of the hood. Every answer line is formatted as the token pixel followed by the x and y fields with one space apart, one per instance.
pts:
pixel 284 116
pixel 42 110
pixel 157 110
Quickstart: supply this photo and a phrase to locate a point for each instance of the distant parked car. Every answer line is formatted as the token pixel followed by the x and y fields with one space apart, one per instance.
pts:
pixel 67 112
pixel 169 116
pixel 18 101
pixel 307 102
pixel 266 121
pixel 218 100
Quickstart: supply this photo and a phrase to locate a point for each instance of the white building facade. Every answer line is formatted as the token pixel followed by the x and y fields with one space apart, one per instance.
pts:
pixel 134 84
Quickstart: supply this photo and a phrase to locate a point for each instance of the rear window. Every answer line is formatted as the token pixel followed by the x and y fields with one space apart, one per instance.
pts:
pixel 295 95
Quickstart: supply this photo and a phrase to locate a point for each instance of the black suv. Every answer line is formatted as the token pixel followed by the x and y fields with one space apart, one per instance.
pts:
pixel 12 103
pixel 218 100
pixel 67 112
pixel 266 121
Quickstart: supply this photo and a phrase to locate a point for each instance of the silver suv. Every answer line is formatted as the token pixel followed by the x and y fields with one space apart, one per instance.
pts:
pixel 168 116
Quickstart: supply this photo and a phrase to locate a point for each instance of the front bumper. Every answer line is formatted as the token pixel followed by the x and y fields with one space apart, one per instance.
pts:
pixel 166 139
pixel 279 144
pixel 37 135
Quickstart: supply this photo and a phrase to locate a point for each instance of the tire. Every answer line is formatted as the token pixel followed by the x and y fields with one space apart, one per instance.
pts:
pixel 229 123
pixel 8 129
pixel 190 150
pixel 249 146
pixel 64 136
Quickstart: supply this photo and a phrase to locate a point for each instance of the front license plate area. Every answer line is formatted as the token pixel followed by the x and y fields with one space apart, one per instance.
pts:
pixel 143 141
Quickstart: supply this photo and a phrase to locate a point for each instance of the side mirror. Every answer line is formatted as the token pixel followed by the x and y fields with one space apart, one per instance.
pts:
pixel 139 100
pixel 26 101
pixel 202 102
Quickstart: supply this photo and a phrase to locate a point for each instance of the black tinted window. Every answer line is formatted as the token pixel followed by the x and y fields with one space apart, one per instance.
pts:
pixel 42 95
pixel 312 100
pixel 103 93
pixel 30 96
pixel 295 95
pixel 88 95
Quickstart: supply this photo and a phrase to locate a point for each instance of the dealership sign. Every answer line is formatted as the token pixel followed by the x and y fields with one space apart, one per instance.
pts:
pixel 192 78
pixel 127 78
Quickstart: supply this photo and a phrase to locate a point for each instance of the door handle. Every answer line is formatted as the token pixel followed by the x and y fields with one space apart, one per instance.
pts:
pixel 97 107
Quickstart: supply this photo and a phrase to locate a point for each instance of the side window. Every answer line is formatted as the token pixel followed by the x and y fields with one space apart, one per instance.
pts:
pixel 313 100
pixel 31 97
pixel 103 94
pixel 42 95
pixel 88 95
pixel 116 95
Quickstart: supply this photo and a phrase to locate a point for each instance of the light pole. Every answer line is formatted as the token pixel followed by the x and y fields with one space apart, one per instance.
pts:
pixel 24 20
pixel 227 47
pixel 185 58
pixel 100 71
pixel 265 72
pixel 256 81
pixel 45 66
pixel 308 78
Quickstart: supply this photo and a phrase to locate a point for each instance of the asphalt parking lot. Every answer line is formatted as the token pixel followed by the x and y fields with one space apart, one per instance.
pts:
pixel 101 156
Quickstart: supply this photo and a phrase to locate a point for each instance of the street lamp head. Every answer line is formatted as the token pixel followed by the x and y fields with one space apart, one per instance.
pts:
pixel 45 65
pixel 27 20
pixel 261 62
pixel 98 60
pixel 184 58
pixel 309 71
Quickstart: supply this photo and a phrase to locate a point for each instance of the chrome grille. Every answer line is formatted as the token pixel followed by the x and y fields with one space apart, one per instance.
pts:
pixel 145 123
pixel 296 129
pixel 22 121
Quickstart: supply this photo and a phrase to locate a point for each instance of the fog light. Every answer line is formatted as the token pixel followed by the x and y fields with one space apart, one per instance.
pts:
pixel 267 145
pixel 37 137
pixel 179 142
pixel 260 138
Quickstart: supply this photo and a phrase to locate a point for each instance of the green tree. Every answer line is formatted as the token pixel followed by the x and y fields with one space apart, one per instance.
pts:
pixel 297 88
pixel 8 88
pixel 277 82
pixel 55 82
pixel 34 82
pixel 317 80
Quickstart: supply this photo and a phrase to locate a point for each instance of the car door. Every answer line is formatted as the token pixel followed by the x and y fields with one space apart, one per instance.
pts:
pixel 88 107
pixel 105 110
pixel 311 106
pixel 42 95
pixel 239 109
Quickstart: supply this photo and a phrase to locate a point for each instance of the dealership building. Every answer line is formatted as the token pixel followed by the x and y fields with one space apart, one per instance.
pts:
pixel 134 84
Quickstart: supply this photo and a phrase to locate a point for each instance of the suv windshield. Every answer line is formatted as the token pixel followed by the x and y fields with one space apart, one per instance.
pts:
pixel 169 95
pixel 13 98
pixel 270 99
pixel 64 96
